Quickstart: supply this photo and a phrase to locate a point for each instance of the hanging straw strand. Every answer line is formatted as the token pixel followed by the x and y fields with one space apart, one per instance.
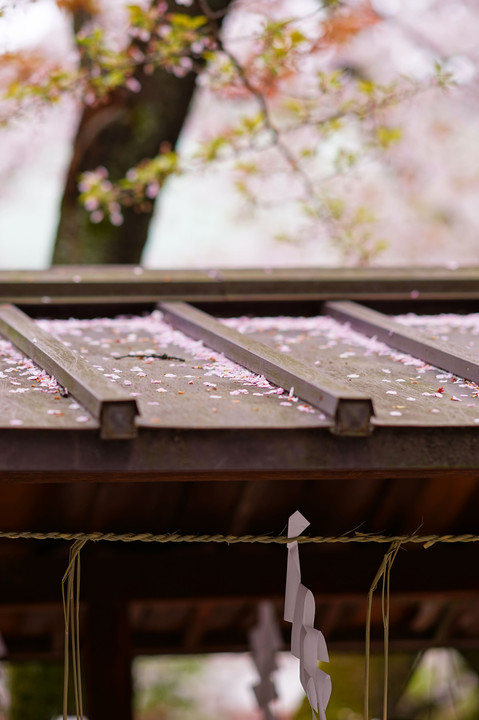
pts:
pixel 385 609
pixel 383 572
pixel 71 611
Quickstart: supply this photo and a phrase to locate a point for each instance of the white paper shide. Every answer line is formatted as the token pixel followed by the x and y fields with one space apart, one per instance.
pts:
pixel 307 644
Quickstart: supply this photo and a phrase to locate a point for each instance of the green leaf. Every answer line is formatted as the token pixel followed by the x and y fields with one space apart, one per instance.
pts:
pixel 247 167
pixel 387 136
pixel 297 37
pixel 336 207
pixel 187 22
pixel 367 87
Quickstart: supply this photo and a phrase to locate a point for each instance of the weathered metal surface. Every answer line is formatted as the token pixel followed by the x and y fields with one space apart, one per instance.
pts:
pixel 29 397
pixel 443 355
pixel 405 390
pixel 179 383
pixel 114 409
pixel 116 284
pixel 351 410
pixel 459 330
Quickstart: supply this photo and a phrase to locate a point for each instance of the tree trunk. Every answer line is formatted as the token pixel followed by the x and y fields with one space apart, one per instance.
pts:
pixel 117 135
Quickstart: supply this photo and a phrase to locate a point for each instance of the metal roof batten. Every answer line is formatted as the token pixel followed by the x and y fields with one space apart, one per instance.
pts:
pixel 110 406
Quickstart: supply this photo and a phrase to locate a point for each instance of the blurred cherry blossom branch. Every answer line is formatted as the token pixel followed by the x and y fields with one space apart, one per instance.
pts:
pixel 284 136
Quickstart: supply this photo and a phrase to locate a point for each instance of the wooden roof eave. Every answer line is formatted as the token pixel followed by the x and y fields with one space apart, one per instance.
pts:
pixel 112 285
pixel 214 453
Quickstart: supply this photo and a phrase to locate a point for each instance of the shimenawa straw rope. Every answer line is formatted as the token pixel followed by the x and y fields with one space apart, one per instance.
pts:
pixel 362 538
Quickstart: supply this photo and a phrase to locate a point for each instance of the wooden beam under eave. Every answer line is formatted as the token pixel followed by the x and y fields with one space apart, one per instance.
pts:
pixel 197 625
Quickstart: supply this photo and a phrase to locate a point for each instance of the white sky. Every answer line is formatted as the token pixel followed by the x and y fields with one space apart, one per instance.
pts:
pixel 25 26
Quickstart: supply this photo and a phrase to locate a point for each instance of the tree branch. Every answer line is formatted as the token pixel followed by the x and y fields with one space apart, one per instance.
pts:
pixel 288 156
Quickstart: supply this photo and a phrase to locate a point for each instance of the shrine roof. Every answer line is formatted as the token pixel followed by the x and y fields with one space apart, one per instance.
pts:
pixel 221 402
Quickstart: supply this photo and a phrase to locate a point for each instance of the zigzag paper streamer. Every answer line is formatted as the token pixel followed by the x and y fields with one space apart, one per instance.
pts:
pixel 265 640
pixel 307 644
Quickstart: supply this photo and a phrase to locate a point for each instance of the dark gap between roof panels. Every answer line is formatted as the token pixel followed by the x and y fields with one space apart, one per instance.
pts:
pixel 302 307
pixel 260 307
pixel 90 309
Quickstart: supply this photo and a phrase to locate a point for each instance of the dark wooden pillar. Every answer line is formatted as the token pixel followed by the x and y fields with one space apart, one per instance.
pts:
pixel 108 661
